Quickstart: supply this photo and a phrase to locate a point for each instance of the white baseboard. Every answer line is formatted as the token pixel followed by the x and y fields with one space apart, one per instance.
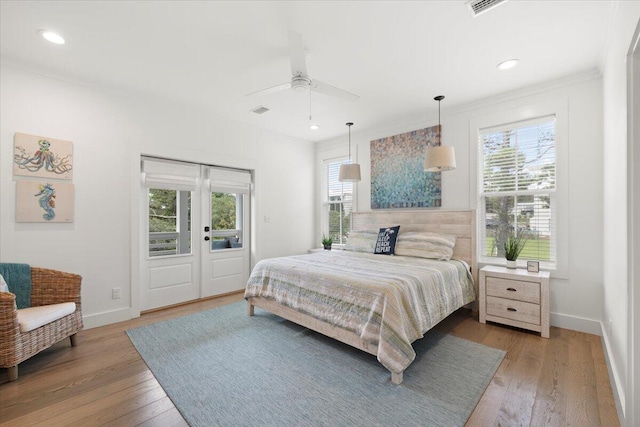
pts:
pixel 575 323
pixel 614 378
pixel 106 318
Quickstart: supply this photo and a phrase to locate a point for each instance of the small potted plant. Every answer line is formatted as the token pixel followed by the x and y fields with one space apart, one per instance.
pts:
pixel 513 246
pixel 326 242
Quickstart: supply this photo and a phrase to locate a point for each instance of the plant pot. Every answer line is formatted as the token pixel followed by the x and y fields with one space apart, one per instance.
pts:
pixel 327 247
pixel 512 264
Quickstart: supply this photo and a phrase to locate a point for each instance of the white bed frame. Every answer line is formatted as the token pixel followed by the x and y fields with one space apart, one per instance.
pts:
pixel 461 224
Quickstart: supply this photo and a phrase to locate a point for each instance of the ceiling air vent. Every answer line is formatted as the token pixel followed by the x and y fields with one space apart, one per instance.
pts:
pixel 260 110
pixel 480 6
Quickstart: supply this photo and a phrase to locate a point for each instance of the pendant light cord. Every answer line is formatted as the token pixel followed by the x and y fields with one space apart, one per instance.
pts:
pixel 439 98
pixel 349 124
pixel 349 144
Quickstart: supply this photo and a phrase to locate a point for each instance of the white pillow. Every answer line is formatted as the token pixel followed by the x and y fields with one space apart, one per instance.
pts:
pixel 361 241
pixel 3 285
pixel 425 245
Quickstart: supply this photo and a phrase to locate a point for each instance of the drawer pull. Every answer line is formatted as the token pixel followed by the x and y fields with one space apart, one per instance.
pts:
pixel 511 289
pixel 511 309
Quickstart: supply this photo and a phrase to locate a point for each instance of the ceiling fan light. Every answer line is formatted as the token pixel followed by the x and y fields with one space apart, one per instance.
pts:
pixel 349 173
pixel 300 84
pixel 440 159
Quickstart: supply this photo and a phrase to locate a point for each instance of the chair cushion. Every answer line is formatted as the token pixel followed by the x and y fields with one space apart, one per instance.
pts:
pixel 33 317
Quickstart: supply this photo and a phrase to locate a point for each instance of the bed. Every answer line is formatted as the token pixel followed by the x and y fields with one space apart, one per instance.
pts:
pixel 377 303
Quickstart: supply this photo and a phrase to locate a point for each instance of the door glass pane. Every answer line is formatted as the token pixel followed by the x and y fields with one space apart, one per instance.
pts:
pixel 169 222
pixel 226 221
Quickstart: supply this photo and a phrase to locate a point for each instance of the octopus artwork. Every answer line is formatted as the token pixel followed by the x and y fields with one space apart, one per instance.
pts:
pixel 42 158
pixel 47 201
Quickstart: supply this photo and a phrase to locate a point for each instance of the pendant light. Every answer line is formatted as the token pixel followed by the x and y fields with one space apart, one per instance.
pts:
pixel 349 172
pixel 439 158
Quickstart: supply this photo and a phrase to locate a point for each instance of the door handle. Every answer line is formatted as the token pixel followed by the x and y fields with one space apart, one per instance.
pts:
pixel 206 228
pixel 206 238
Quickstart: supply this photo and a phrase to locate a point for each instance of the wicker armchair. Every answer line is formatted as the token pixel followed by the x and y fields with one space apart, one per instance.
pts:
pixel 47 287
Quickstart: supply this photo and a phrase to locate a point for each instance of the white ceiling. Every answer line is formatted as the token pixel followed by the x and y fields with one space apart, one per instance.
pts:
pixel 397 55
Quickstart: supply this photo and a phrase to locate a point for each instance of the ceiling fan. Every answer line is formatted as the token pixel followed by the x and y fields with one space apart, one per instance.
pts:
pixel 300 80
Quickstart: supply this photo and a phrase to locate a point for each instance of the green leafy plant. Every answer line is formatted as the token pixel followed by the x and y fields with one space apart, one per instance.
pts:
pixel 326 241
pixel 515 244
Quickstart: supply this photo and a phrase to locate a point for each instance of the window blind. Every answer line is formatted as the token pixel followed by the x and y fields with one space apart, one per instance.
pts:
pixel 170 176
pixel 229 181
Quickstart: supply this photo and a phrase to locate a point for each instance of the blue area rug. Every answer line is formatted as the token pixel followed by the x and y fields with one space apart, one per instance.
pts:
pixel 223 368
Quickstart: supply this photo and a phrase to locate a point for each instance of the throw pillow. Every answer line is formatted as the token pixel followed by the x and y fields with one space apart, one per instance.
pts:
pixel 386 243
pixel 424 244
pixel 361 241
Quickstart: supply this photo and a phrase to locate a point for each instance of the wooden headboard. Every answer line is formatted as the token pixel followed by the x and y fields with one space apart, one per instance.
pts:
pixel 461 224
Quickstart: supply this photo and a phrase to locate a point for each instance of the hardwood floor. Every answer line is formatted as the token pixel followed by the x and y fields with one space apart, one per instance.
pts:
pixel 559 381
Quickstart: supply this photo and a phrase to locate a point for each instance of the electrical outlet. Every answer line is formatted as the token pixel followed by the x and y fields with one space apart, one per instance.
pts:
pixel 115 293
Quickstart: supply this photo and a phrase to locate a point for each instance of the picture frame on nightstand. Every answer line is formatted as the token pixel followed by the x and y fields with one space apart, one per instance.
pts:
pixel 533 266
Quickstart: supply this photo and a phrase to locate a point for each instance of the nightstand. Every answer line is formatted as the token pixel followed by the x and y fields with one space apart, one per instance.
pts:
pixel 515 297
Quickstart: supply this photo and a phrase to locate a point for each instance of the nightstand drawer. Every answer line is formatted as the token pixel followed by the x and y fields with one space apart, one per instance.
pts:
pixel 513 289
pixel 516 310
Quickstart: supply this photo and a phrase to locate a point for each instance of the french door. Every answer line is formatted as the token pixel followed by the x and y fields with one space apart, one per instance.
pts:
pixel 196 232
pixel 226 262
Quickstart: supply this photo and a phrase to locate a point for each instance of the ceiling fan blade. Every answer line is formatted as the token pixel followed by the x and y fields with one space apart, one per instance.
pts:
pixel 320 87
pixel 272 89
pixel 297 55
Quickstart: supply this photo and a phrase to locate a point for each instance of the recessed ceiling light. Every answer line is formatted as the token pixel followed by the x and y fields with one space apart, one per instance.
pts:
pixel 509 63
pixel 314 127
pixel 51 36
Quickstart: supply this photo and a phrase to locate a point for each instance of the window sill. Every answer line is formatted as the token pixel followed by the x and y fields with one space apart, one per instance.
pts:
pixel 546 266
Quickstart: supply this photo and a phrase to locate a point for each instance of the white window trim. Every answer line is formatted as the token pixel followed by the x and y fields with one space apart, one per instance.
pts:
pixel 520 113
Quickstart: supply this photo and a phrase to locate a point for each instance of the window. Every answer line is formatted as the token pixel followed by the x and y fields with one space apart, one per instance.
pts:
pixel 169 189
pixel 169 222
pixel 337 202
pixel 517 189
pixel 226 220
pixel 229 198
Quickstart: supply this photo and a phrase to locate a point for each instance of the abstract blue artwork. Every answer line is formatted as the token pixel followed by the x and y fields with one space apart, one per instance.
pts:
pixel 398 179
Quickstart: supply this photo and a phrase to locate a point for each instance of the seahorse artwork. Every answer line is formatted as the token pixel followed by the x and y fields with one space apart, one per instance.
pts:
pixel 47 201
pixel 42 158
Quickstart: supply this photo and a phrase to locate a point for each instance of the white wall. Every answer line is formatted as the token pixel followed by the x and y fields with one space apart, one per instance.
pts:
pixel 576 292
pixel 615 293
pixel 109 133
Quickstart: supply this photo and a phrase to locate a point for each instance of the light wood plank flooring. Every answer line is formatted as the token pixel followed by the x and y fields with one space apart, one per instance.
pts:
pixel 561 381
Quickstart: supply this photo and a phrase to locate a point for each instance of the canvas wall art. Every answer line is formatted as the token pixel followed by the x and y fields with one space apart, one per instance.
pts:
pixel 398 179
pixel 42 157
pixel 43 201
